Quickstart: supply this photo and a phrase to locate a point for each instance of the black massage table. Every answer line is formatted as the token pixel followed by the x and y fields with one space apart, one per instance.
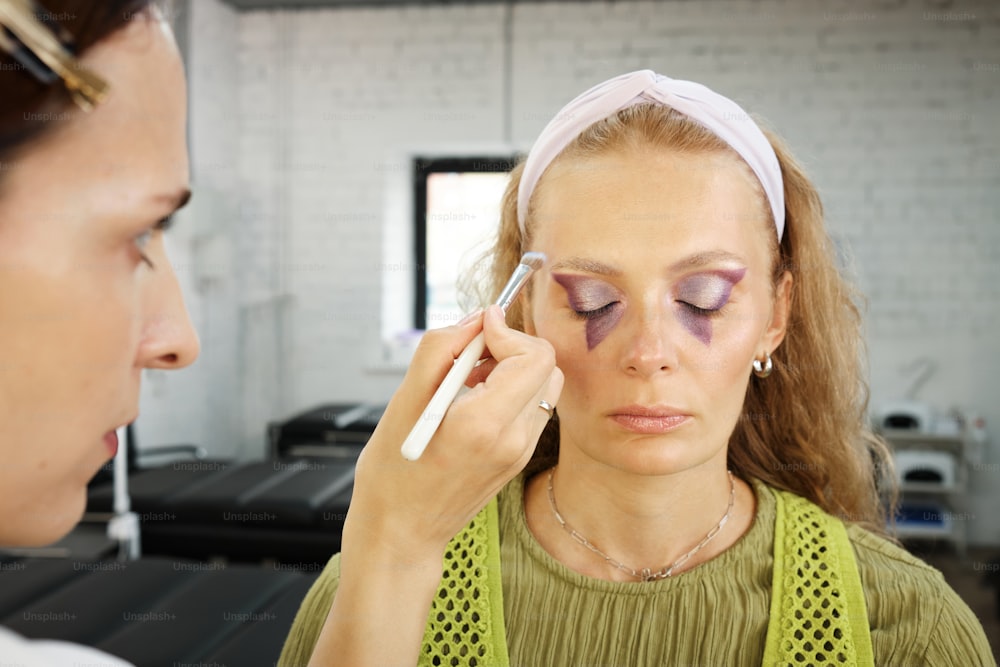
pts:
pixel 155 612
pixel 286 510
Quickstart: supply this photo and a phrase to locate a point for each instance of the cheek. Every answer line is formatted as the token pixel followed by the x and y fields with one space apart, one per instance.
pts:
pixel 580 368
pixel 77 330
pixel 724 367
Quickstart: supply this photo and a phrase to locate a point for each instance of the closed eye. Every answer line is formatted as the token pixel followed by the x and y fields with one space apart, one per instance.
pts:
pixel 697 310
pixel 597 312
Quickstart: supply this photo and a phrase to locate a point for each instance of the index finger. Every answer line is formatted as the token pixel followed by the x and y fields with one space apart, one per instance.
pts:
pixel 523 365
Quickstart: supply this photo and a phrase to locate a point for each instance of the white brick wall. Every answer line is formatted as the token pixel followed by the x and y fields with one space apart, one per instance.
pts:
pixel 352 87
pixel 202 404
pixel 892 108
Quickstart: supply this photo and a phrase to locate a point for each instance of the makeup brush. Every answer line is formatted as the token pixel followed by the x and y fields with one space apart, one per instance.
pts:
pixel 432 415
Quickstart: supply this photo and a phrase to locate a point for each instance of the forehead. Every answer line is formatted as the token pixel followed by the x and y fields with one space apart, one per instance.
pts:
pixel 663 203
pixel 132 145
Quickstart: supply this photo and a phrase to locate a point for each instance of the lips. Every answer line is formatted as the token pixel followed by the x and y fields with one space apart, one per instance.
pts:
pixel 111 437
pixel 649 419
pixel 111 440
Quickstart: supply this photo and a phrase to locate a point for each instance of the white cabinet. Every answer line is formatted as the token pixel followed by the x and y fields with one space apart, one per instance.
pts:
pixel 933 473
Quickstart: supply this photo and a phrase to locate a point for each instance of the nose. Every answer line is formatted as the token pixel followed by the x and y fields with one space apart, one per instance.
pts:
pixel 650 340
pixel 169 340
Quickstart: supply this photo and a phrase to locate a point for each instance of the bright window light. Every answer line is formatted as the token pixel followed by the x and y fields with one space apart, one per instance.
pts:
pixel 461 206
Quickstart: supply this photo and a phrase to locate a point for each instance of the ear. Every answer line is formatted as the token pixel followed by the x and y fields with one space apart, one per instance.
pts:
pixel 780 311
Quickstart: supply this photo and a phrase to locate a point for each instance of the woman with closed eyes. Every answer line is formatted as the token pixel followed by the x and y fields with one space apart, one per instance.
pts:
pixel 706 492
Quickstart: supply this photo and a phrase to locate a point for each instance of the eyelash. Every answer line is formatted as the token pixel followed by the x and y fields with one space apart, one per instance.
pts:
pixel 161 226
pixel 597 312
pixel 592 314
pixel 705 312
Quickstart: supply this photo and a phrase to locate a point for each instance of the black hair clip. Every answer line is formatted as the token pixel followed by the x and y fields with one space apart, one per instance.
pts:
pixel 33 37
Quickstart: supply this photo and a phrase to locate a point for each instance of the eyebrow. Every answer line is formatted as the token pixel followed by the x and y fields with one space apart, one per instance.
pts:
pixel 706 258
pixel 588 265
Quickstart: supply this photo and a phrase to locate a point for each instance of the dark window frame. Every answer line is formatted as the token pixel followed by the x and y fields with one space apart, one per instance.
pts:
pixel 423 168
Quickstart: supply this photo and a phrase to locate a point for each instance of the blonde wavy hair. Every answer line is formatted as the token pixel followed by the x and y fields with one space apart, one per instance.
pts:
pixel 803 429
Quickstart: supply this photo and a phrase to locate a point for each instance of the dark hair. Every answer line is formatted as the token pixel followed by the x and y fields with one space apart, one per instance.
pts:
pixel 25 102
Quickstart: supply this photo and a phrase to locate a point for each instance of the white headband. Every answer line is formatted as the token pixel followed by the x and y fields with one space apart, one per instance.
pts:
pixel 719 114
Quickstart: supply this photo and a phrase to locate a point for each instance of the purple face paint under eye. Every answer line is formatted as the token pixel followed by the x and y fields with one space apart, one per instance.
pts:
pixel 594 300
pixel 704 292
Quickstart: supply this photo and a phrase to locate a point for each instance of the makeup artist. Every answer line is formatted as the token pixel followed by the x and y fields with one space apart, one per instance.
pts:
pixel 93 162
pixel 706 493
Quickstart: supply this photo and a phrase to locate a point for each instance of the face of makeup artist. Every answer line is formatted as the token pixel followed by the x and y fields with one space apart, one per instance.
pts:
pixel 657 297
pixel 82 312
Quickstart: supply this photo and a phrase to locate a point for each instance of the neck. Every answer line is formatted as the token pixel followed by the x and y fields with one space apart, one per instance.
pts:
pixel 642 521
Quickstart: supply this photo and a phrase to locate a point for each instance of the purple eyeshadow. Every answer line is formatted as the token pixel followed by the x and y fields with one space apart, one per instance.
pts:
pixel 698 325
pixel 704 291
pixel 599 327
pixel 588 294
pixel 708 291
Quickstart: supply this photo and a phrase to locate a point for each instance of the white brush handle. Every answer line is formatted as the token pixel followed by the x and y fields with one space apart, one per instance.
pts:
pixel 427 425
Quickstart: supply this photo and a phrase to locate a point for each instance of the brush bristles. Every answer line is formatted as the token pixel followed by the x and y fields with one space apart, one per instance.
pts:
pixel 533 259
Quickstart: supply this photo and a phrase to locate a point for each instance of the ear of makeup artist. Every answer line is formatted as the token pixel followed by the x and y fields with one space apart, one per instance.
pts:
pixel 94 163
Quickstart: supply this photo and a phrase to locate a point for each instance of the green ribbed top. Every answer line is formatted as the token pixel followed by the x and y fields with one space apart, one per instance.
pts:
pixel 713 614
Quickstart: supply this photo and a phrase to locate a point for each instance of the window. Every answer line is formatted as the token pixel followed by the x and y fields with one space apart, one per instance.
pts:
pixel 457 213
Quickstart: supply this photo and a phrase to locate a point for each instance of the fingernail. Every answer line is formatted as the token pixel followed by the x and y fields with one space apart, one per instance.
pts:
pixel 470 318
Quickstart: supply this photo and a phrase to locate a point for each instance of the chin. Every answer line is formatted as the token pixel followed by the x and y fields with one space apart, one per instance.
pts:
pixel 41 523
pixel 653 455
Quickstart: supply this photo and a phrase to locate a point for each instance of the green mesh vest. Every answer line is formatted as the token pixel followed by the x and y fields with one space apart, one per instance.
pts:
pixel 818 613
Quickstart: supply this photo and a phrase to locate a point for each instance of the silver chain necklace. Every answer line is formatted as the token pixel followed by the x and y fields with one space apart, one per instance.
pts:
pixel 645 574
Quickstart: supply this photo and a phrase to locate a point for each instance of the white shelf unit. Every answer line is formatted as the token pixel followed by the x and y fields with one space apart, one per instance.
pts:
pixel 946 497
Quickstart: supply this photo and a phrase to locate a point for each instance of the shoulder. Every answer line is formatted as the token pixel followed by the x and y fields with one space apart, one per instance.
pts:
pixel 16 650
pixel 891 573
pixel 915 617
pixel 325 586
pixel 879 555
pixel 309 620
pixel 912 609
pixel 331 573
